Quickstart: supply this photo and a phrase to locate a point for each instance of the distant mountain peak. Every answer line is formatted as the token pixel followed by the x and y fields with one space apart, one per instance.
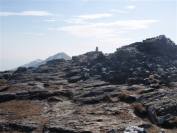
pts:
pixel 39 62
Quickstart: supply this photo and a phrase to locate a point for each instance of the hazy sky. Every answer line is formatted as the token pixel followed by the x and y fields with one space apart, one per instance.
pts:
pixel 36 29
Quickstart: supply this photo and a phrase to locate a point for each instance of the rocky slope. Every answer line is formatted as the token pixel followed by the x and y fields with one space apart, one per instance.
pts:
pixel 134 88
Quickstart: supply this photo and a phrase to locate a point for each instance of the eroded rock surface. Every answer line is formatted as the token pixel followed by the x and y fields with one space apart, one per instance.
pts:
pixel 93 92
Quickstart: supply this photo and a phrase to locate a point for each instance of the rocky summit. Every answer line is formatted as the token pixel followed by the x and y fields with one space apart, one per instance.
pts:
pixel 133 90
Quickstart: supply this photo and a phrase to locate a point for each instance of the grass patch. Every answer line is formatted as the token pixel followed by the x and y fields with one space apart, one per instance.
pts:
pixel 156 129
pixel 139 110
pixel 2 82
pixel 20 109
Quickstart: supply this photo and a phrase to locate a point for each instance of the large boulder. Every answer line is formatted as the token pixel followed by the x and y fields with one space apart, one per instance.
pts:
pixel 7 76
pixel 161 106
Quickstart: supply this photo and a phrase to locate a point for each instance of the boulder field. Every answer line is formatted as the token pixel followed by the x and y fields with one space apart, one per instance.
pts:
pixel 132 89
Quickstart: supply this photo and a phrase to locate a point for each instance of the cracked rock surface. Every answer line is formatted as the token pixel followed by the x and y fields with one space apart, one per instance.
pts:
pixel 95 92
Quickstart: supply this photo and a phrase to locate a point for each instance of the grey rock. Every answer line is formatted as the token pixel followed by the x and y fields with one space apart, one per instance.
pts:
pixel 21 69
pixel 7 96
pixel 93 72
pixel 162 131
pixel 70 125
pixel 93 100
pixel 32 93
pixel 74 79
pixel 114 76
pixel 26 126
pixel 55 99
pixel 160 71
pixel 55 61
pixel 161 106
pixel 115 130
pixel 135 129
pixel 6 114
pixel 86 124
pixel 18 125
pixel 7 76
pixel 73 72
pixel 147 90
pixel 156 86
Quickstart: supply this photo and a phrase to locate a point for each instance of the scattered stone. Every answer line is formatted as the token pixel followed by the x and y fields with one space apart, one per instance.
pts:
pixel 55 99
pixel 156 86
pixel 135 129
pixel 162 131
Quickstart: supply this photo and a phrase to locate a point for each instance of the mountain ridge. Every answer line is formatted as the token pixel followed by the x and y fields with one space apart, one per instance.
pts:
pixel 39 62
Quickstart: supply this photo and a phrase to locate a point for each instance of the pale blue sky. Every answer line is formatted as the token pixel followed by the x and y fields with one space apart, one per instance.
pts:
pixel 36 29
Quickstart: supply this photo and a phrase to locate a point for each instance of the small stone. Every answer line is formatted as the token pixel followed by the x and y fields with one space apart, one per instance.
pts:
pixel 55 99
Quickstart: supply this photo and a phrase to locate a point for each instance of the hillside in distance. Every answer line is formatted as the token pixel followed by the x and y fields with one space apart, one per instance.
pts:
pixel 39 62
pixel 131 90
